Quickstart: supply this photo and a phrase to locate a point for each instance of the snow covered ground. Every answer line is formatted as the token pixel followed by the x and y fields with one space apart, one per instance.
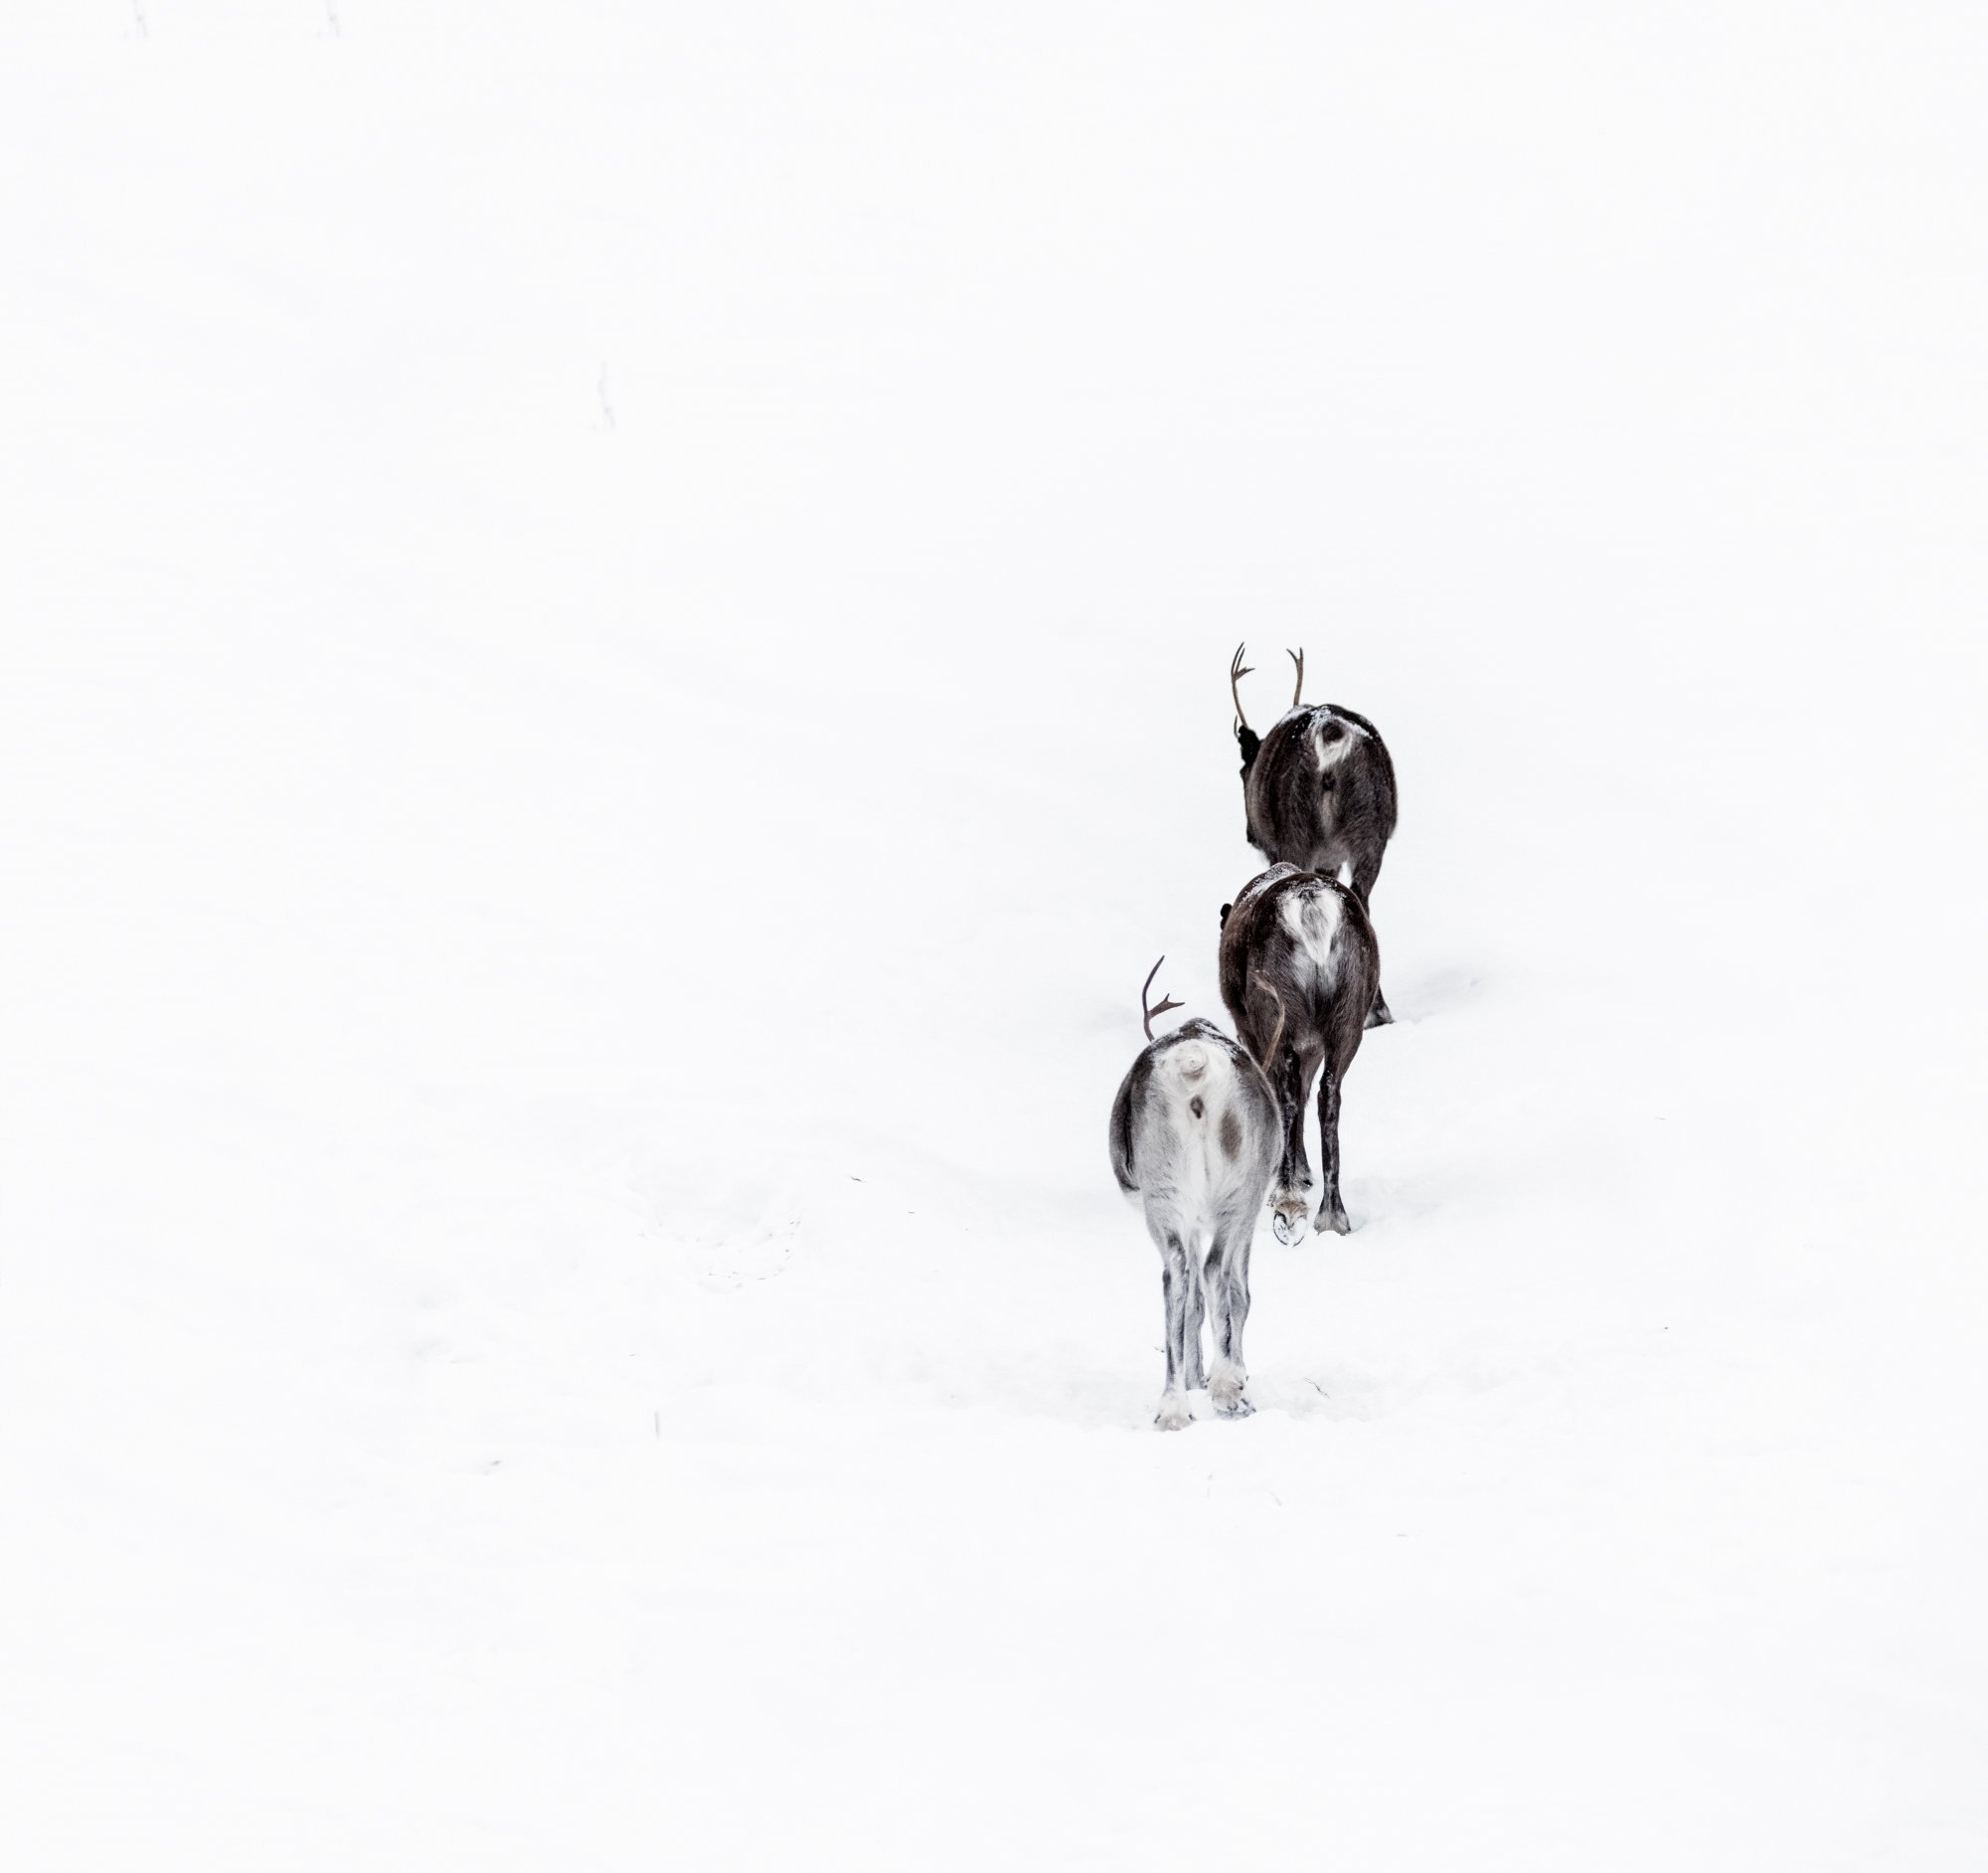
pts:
pixel 615 638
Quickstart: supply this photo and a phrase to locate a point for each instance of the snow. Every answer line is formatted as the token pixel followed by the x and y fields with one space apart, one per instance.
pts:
pixel 614 634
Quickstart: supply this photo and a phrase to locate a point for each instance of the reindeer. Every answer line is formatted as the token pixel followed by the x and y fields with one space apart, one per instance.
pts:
pixel 1318 791
pixel 1195 1136
pixel 1300 969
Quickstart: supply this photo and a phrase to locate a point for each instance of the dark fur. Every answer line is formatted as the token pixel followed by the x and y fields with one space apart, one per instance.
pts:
pixel 1318 819
pixel 1278 1000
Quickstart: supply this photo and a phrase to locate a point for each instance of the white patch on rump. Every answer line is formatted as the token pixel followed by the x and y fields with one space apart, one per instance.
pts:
pixel 1312 917
pixel 1331 753
pixel 1189 1059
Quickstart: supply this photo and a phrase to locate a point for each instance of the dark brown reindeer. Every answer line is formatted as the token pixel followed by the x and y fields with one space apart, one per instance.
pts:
pixel 1300 969
pixel 1195 1137
pixel 1318 791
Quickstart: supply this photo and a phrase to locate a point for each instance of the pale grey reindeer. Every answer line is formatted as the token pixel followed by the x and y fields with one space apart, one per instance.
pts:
pixel 1301 967
pixel 1318 791
pixel 1195 1137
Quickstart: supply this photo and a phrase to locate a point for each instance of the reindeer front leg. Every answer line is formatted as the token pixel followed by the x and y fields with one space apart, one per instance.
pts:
pixel 1366 872
pixel 1225 1275
pixel 1193 1378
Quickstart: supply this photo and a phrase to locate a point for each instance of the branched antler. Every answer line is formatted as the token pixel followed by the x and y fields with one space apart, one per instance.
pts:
pixel 1297 658
pixel 1149 1013
pixel 1236 674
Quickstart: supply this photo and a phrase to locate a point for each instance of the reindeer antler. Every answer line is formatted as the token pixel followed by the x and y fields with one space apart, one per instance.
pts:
pixel 1277 1034
pixel 1297 658
pixel 1149 1013
pixel 1236 674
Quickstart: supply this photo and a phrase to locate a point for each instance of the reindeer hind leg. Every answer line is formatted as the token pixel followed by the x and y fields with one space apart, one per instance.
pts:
pixel 1330 1212
pixel 1178 1279
pixel 1289 1208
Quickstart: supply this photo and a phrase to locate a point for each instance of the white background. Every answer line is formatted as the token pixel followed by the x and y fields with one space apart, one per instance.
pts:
pixel 561 1304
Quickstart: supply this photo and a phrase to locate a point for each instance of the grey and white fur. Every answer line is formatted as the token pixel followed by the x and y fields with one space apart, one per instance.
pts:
pixel 1195 1137
pixel 1318 793
pixel 1300 969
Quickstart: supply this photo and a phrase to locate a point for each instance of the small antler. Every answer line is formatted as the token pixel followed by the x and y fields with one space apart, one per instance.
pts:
pixel 1297 658
pixel 1149 1013
pixel 1236 674
pixel 1271 1052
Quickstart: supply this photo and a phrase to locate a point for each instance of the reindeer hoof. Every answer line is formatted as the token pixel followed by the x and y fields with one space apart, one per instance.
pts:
pixel 1334 1220
pixel 1224 1393
pixel 1173 1413
pixel 1289 1222
pixel 1380 1015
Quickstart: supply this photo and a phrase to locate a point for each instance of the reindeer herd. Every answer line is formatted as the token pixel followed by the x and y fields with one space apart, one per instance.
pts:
pixel 1206 1130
